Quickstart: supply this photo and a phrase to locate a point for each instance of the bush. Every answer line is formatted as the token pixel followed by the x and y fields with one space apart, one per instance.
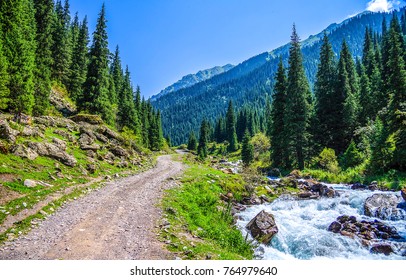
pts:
pixel 261 144
pixel 327 160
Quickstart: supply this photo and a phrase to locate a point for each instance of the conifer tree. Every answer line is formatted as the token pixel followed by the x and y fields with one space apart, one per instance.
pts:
pixel 324 93
pixel 127 115
pixel 78 69
pixel 192 143
pixel 61 48
pixel 4 77
pixel 230 128
pixel 298 107
pixel 278 110
pixel 18 29
pixel 117 77
pixel 95 96
pixel 247 150
pixel 44 22
pixel 203 140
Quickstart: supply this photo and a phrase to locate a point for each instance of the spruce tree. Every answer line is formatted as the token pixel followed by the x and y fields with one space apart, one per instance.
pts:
pixel 324 92
pixel 96 98
pixel 61 51
pixel 298 107
pixel 4 78
pixel 127 115
pixel 247 150
pixel 78 69
pixel 230 128
pixel 277 130
pixel 192 143
pixel 44 22
pixel 118 77
pixel 19 47
pixel 203 140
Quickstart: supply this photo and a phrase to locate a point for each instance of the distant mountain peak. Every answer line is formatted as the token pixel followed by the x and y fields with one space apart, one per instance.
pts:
pixel 192 79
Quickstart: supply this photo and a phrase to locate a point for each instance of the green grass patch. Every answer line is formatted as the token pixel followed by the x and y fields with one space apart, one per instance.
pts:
pixel 195 209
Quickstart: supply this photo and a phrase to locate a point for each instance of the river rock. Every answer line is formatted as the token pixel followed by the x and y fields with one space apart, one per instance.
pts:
pixel 324 190
pixel 53 151
pixel 359 186
pixel 385 249
pixel 366 231
pixel 263 227
pixel 403 193
pixel 384 206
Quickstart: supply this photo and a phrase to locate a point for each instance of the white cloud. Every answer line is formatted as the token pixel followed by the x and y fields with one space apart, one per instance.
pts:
pixel 384 5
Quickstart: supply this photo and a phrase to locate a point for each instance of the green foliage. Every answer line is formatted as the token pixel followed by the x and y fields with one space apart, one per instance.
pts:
pixel 192 143
pixel 261 144
pixel 351 157
pixel 4 78
pixel 203 140
pixel 247 150
pixel 279 155
pixel 231 134
pixel 196 207
pixel 298 107
pixel 327 160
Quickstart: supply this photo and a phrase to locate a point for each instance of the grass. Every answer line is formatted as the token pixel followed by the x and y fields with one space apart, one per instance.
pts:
pixel 201 224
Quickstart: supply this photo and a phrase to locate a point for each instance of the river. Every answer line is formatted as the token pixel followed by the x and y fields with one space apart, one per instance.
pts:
pixel 303 227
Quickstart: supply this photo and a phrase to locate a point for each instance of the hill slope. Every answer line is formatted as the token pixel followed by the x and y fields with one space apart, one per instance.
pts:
pixel 191 79
pixel 250 82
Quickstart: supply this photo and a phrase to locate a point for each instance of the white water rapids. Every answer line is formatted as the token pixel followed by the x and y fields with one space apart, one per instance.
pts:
pixel 303 227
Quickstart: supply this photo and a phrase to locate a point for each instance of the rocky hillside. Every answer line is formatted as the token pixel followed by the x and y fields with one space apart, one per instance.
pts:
pixel 42 158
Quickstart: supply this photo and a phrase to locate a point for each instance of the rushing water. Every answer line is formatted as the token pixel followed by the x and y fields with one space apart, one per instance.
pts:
pixel 303 227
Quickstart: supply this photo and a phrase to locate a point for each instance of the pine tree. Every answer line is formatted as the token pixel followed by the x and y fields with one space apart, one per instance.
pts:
pixel 44 22
pixel 247 150
pixel 61 51
pixel 278 110
pixel 78 69
pixel 366 99
pixel 127 115
pixel 118 77
pixel 96 97
pixel 203 140
pixel 4 78
pixel 230 128
pixel 18 29
pixel 298 106
pixel 324 93
pixel 192 143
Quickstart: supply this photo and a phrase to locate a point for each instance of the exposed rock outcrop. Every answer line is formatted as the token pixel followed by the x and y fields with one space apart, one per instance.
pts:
pixel 8 133
pixel 263 227
pixel 53 151
pixel 24 152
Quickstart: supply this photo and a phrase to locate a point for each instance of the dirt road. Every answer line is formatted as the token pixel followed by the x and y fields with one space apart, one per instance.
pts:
pixel 116 222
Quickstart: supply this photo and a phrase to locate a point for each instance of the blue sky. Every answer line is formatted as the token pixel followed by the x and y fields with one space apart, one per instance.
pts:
pixel 163 40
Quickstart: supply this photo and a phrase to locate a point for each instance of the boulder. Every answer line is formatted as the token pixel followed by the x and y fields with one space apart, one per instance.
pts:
pixel 91 168
pixel 30 183
pixel 65 135
pixel 364 230
pixel 53 151
pixel 32 132
pixel 109 133
pixel 25 152
pixel 109 158
pixel 324 190
pixel 274 172
pixel 91 119
pixel 49 121
pixel 59 143
pixel 7 133
pixel 263 227
pixel 385 249
pixel 57 99
pixel 403 193
pixel 119 151
pixel 384 206
pixel 359 186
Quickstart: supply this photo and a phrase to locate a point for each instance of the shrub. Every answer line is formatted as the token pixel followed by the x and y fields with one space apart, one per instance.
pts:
pixel 327 160
pixel 351 157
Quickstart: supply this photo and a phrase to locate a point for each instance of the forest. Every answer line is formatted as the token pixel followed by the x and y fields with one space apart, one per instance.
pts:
pixel 354 118
pixel 44 48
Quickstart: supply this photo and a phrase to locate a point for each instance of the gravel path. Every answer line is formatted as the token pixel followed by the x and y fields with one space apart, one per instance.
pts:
pixel 117 221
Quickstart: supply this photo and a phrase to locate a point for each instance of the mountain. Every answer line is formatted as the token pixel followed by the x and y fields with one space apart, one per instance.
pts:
pixel 191 79
pixel 250 82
